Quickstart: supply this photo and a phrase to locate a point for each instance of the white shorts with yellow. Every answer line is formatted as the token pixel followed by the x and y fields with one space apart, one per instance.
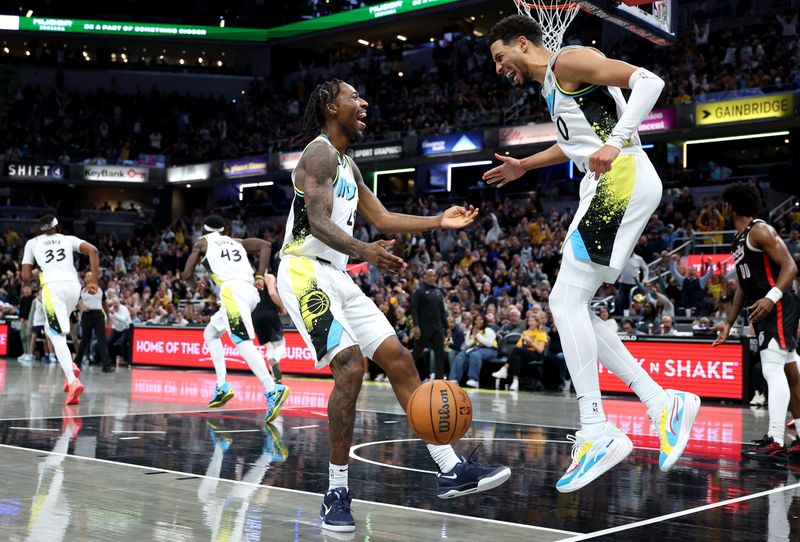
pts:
pixel 238 300
pixel 59 300
pixel 329 310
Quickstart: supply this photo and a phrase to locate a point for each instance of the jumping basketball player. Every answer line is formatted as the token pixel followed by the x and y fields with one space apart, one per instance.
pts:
pixel 335 318
pixel 229 267
pixel 61 288
pixel 596 128
pixel 765 269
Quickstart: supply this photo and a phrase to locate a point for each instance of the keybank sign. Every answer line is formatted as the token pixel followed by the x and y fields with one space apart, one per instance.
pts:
pixel 34 172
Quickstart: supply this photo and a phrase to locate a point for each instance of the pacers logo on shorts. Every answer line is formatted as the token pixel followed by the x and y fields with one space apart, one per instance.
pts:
pixel 313 305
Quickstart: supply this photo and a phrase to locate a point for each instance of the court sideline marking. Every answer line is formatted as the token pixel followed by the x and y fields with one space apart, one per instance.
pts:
pixel 296 491
pixel 667 517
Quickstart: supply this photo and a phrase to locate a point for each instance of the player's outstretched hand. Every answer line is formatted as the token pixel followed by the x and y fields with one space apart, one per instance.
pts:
pixel 457 217
pixel 722 336
pixel 760 309
pixel 509 170
pixel 378 254
pixel 600 162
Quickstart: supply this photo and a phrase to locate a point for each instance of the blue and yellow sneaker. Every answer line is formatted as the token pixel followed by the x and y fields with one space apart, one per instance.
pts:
pixel 592 458
pixel 222 394
pixel 275 400
pixel 223 440
pixel 335 511
pixel 673 423
pixel 469 477
pixel 273 444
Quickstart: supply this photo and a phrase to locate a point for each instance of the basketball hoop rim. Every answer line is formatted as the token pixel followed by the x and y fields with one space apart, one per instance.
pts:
pixel 557 7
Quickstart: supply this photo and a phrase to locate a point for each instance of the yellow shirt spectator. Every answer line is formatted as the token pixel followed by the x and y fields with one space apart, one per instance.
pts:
pixel 536 336
pixel 539 232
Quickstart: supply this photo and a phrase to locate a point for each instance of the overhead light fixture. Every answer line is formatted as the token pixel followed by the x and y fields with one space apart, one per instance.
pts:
pixel 199 59
pixel 363 42
pixel 450 168
pixel 401 37
pixel 722 139
pixel 400 74
pixel 27 53
pixel 472 18
pixel 222 23
pixel 433 39
pixel 219 63
pixel 181 62
pixel 30 13
pixel 189 185
pixel 477 33
pixel 6 50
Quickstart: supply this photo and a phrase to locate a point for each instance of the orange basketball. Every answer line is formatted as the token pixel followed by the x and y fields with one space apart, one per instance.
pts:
pixel 439 411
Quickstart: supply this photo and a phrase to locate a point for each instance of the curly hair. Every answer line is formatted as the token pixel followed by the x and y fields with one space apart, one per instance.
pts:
pixel 743 198
pixel 323 95
pixel 514 26
pixel 214 223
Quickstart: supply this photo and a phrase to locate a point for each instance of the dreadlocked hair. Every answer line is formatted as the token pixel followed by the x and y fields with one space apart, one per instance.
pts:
pixel 323 95
pixel 743 198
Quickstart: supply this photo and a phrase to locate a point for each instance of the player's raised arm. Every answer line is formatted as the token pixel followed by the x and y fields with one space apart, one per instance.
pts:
pixel 264 249
pixel 88 249
pixel 764 237
pixel 198 250
pixel 314 173
pixel 375 213
pixel 585 65
pixel 512 169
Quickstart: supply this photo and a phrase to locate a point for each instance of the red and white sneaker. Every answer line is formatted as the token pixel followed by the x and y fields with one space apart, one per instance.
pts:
pixel 74 393
pixel 77 371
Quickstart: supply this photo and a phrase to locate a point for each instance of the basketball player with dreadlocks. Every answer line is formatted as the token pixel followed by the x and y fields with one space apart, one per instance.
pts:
pixel 596 129
pixel 61 288
pixel 228 265
pixel 766 270
pixel 339 323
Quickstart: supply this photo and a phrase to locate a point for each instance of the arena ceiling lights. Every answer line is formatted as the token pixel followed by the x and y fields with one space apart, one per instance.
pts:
pixel 721 139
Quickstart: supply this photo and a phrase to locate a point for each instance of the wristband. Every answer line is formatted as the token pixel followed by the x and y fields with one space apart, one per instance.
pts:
pixel 775 294
pixel 260 277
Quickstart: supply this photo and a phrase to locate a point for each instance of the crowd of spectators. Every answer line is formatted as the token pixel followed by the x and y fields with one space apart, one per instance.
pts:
pixel 495 279
pixel 456 90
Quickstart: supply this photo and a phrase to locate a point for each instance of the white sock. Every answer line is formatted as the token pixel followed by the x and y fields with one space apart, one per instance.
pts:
pixel 257 364
pixel 618 359
pixel 593 419
pixel 337 476
pixel 778 393
pixel 63 356
pixel 217 352
pixel 444 456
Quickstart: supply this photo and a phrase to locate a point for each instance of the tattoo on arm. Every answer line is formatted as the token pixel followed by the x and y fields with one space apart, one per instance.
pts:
pixel 315 174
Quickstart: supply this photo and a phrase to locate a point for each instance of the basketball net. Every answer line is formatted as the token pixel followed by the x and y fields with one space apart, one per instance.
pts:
pixel 554 16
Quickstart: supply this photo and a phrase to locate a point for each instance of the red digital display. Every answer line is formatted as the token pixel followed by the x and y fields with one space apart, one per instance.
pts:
pixel 3 339
pixel 185 347
pixel 723 262
pixel 308 398
pixel 695 367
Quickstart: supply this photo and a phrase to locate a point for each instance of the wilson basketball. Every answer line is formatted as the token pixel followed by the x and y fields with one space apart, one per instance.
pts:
pixel 439 411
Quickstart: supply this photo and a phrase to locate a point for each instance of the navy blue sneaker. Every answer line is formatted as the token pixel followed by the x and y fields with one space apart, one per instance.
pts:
pixel 469 477
pixel 335 511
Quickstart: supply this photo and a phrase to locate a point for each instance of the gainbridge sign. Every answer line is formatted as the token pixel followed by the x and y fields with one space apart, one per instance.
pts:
pixel 751 108
pixel 185 347
pixel 696 367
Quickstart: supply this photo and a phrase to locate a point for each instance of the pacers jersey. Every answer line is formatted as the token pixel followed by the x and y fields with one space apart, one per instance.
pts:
pixel 226 259
pixel 54 256
pixel 298 240
pixel 585 118
pixel 757 274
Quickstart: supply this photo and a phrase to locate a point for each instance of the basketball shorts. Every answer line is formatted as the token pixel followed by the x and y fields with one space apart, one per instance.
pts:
pixel 237 299
pixel 780 325
pixel 59 300
pixel 773 353
pixel 613 213
pixel 329 310
pixel 268 326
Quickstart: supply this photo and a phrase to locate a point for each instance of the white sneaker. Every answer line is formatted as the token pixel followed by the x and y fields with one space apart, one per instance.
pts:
pixel 473 384
pixel 430 378
pixel 52 358
pixel 514 386
pixel 760 399
pixel 592 458
pixel 566 385
pixel 501 373
pixel 673 423
pixel 756 398
pixel 380 378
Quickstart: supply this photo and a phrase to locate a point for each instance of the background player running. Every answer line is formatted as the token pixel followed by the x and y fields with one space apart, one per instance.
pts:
pixel 765 269
pixel 596 128
pixel 268 326
pixel 337 320
pixel 227 262
pixel 61 288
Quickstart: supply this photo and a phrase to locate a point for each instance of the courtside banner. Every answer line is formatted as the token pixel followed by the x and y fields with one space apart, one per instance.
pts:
pixel 3 339
pixel 716 433
pixel 309 398
pixel 687 366
pixel 185 347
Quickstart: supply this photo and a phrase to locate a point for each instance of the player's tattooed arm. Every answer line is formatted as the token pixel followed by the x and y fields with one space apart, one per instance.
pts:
pixel 198 250
pixel 372 209
pixel 314 175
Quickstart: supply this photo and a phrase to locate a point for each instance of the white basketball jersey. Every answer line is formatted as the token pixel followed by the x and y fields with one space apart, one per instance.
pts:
pixel 585 118
pixel 226 259
pixel 298 240
pixel 54 256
